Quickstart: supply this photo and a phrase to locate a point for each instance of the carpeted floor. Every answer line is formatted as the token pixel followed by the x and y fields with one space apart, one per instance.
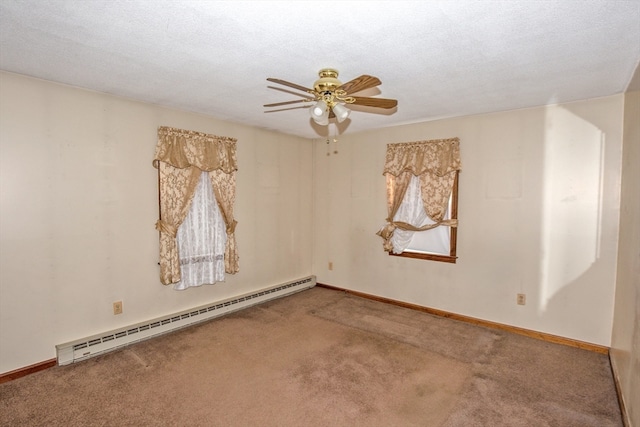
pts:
pixel 324 358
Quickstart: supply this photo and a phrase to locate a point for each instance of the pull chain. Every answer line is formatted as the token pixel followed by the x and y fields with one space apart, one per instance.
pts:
pixel 330 139
pixel 335 140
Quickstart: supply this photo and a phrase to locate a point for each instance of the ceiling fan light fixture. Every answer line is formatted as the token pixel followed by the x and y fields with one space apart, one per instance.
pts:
pixel 320 113
pixel 341 112
pixel 319 109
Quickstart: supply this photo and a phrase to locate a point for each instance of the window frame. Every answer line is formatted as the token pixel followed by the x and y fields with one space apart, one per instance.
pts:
pixel 453 234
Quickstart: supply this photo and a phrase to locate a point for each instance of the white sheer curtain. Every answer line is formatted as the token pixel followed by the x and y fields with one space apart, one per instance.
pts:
pixel 412 212
pixel 201 240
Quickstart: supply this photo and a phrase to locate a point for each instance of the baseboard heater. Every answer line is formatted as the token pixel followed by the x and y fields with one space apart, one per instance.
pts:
pixel 85 348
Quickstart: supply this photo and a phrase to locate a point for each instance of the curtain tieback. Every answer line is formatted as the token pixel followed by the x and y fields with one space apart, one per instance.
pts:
pixel 410 227
pixel 166 228
pixel 387 231
pixel 450 222
pixel 231 228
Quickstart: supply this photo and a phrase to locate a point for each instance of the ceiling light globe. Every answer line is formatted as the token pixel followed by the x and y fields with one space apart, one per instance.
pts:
pixel 320 113
pixel 318 110
pixel 341 112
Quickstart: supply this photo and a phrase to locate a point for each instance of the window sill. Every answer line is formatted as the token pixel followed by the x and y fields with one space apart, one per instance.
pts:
pixel 430 257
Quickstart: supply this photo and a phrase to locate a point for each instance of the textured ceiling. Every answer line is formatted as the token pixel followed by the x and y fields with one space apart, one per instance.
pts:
pixel 437 58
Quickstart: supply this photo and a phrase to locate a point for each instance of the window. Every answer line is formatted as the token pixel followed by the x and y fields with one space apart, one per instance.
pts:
pixel 196 179
pixel 439 243
pixel 422 199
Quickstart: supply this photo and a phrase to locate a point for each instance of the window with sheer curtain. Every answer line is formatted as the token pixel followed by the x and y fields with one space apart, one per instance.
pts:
pixel 422 195
pixel 196 179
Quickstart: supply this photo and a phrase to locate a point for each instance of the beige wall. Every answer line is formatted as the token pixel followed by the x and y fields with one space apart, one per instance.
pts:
pixel 78 208
pixel 539 214
pixel 625 340
pixel 538 209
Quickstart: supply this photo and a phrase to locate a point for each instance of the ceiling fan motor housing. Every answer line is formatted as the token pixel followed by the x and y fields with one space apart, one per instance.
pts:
pixel 328 81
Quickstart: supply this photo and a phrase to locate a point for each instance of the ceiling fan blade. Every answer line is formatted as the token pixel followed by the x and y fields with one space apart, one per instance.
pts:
pixel 293 85
pixel 277 104
pixel 375 102
pixel 277 110
pixel 360 83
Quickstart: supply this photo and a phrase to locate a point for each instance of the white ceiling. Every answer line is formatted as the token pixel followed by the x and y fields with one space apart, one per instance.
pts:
pixel 437 58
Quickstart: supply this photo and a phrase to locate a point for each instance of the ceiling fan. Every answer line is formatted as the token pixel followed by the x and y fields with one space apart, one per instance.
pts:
pixel 330 96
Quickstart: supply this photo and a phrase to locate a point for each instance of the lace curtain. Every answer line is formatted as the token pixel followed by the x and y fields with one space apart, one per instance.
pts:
pixel 435 164
pixel 201 239
pixel 181 157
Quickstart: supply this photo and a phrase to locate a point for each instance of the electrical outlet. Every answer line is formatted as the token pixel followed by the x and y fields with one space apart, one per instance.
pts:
pixel 522 299
pixel 330 265
pixel 117 307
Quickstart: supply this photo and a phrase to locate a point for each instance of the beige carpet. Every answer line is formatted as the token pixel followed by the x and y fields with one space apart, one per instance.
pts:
pixel 324 358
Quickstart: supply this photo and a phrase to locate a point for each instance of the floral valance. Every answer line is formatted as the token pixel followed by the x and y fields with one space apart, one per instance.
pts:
pixel 184 148
pixel 437 156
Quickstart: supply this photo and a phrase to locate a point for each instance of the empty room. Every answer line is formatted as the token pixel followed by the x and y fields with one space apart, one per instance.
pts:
pixel 305 213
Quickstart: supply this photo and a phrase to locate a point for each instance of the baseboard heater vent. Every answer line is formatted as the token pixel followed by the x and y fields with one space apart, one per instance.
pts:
pixel 78 350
